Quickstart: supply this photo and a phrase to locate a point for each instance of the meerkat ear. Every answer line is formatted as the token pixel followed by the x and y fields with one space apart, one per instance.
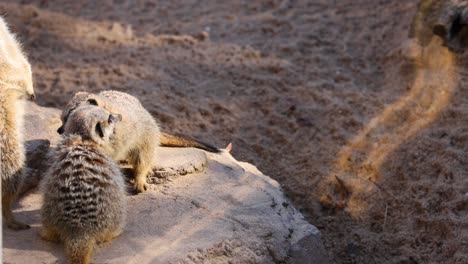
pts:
pixel 114 118
pixel 81 95
pixel 95 99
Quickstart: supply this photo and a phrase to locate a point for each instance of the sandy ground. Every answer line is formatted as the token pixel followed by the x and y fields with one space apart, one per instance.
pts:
pixel 372 146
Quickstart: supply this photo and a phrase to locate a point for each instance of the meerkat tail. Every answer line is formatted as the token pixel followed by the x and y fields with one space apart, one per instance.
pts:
pixel 79 249
pixel 177 141
pixel 228 148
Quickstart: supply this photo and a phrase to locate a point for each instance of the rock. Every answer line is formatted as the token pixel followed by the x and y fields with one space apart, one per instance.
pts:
pixel 40 126
pixel 224 211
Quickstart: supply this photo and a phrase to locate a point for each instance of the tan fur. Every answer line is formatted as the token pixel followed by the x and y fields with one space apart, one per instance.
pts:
pixel 84 190
pixel 15 70
pixel 137 136
pixel 176 141
pixel 15 85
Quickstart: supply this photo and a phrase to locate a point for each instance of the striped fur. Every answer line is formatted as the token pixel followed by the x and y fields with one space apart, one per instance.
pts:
pixel 84 189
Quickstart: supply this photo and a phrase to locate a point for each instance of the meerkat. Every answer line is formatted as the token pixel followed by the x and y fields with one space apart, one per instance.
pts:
pixel 84 190
pixel 137 136
pixel 15 86
pixel 446 19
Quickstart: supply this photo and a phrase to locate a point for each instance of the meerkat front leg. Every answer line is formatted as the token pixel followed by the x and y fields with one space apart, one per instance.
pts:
pixel 7 201
pixel 143 158
pixel 143 163
pixel 142 168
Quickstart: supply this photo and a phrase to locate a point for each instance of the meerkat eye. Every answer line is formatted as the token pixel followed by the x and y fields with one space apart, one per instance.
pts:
pixel 99 130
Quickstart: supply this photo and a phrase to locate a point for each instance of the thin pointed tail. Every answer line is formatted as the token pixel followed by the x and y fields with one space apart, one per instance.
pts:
pixel 176 141
pixel 78 250
pixel 228 148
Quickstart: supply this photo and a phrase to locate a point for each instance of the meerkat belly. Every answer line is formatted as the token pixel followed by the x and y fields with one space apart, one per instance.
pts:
pixel 12 155
pixel 11 158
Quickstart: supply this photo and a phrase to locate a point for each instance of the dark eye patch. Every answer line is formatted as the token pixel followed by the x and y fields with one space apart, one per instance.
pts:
pixel 99 130
pixel 92 101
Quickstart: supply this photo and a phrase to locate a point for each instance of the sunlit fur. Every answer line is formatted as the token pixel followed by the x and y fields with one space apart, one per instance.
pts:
pixel 84 190
pixel 15 85
pixel 137 136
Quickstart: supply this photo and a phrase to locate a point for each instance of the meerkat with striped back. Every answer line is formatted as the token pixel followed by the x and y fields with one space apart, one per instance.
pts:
pixel 84 189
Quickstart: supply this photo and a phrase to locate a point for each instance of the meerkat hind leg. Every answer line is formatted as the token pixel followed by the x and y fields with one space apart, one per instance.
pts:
pixel 79 253
pixel 7 202
pixel 109 235
pixel 49 234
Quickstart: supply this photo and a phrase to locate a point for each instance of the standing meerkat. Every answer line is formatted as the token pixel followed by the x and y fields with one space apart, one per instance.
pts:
pixel 137 136
pixel 15 86
pixel 84 190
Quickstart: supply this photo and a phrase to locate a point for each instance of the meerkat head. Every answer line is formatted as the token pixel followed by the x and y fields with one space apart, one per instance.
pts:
pixel 79 99
pixel 15 70
pixel 92 123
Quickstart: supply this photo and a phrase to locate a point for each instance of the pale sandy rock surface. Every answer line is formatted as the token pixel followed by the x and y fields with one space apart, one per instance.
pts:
pixel 305 89
pixel 223 211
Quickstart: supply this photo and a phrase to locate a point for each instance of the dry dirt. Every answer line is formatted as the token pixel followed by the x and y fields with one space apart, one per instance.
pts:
pixel 373 147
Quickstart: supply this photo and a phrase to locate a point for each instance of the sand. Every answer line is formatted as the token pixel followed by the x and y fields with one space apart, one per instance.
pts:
pixel 320 95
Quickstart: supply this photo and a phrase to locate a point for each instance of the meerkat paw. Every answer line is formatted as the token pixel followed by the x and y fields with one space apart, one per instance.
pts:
pixel 16 225
pixel 141 186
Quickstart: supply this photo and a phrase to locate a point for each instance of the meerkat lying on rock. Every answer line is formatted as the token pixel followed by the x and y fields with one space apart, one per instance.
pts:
pixel 15 86
pixel 84 190
pixel 137 136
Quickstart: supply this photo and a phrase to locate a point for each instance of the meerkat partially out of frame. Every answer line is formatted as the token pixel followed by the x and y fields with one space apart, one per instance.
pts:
pixel 15 86
pixel 84 190
pixel 137 136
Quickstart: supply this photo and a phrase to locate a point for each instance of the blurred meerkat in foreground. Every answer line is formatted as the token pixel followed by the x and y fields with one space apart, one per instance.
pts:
pixel 137 136
pixel 15 86
pixel 446 19
pixel 84 190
